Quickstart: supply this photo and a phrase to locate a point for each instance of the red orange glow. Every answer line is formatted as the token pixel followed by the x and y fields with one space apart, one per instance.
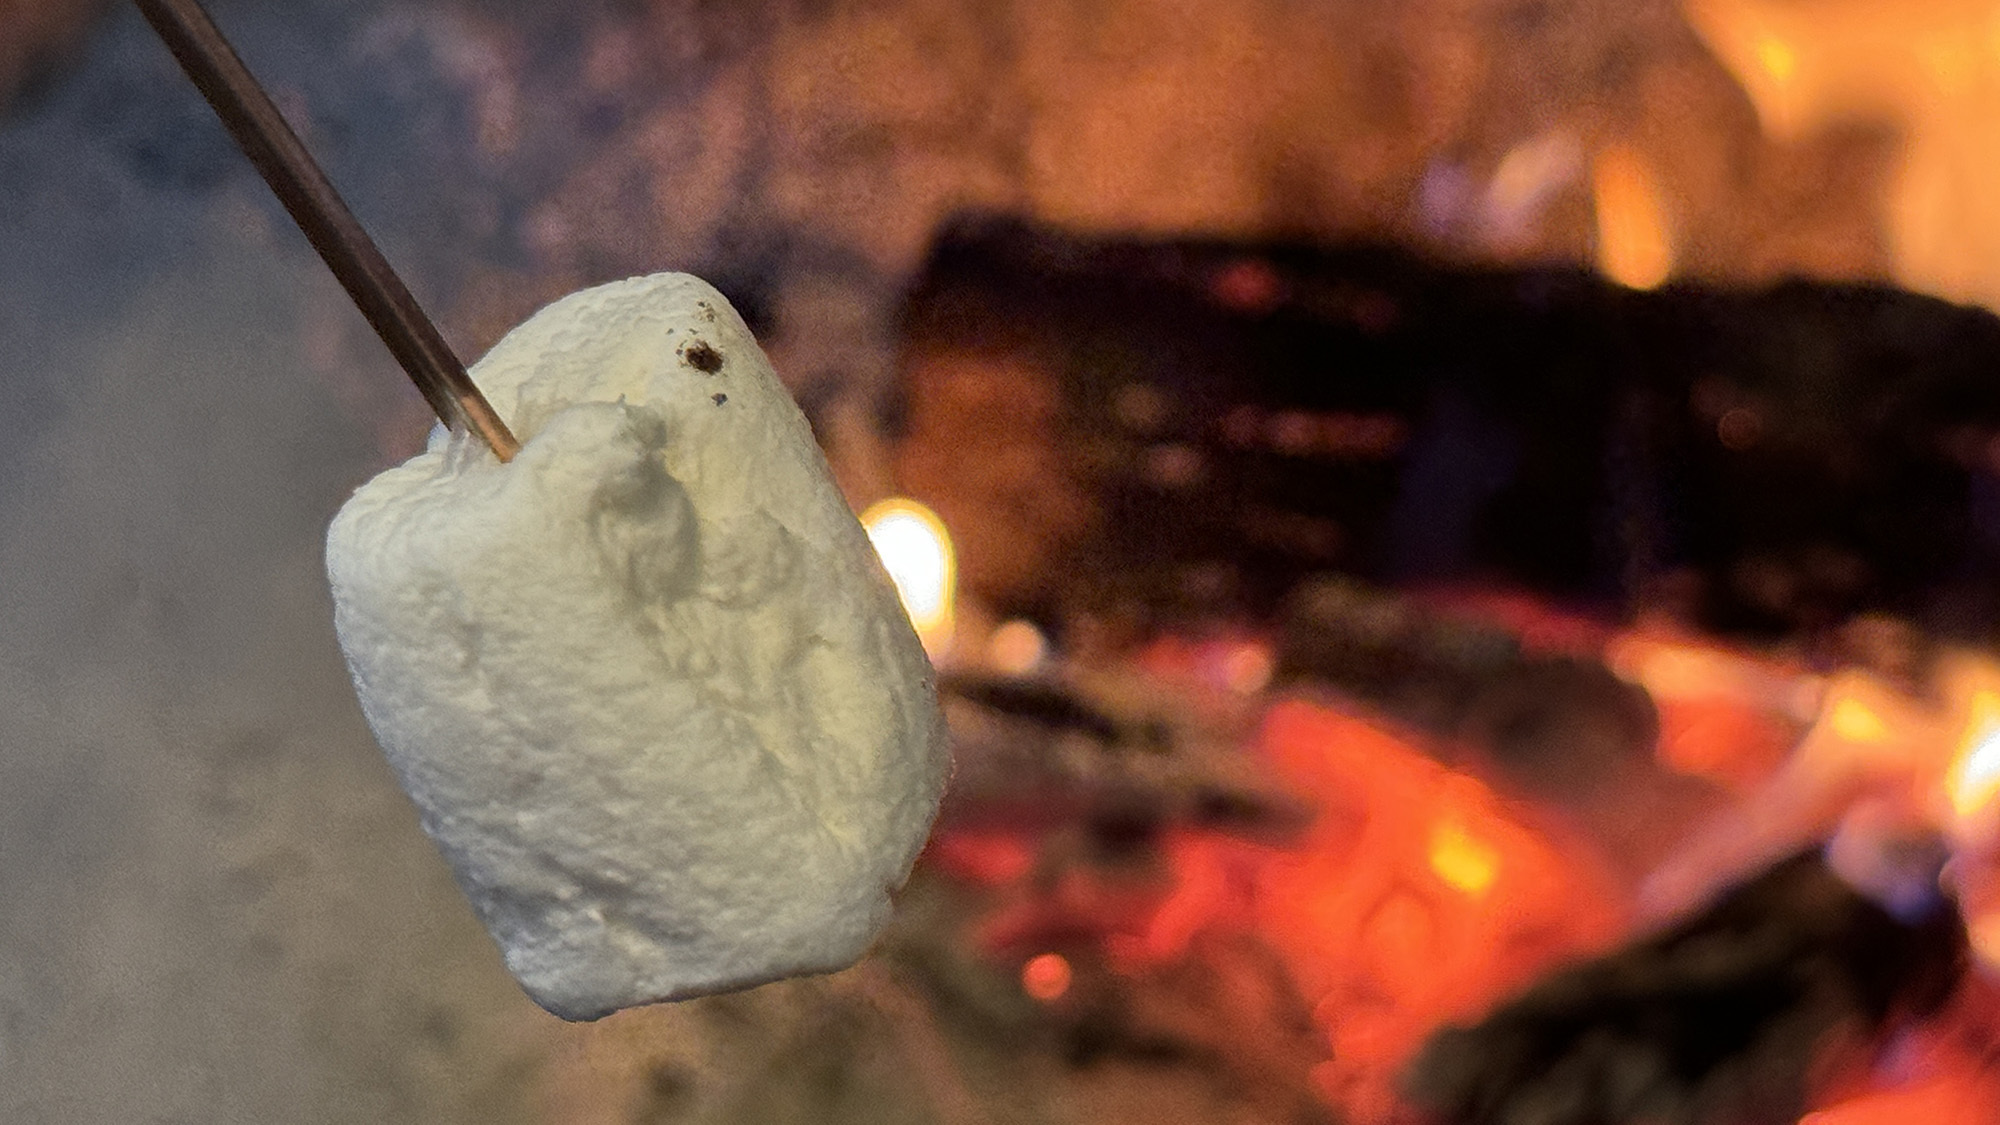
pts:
pixel 990 858
pixel 1855 721
pixel 1942 1076
pixel 1964 1095
pixel 1943 1102
pixel 1046 977
pixel 1417 898
pixel 1634 246
pixel 1465 862
pixel 1727 716
pixel 1236 663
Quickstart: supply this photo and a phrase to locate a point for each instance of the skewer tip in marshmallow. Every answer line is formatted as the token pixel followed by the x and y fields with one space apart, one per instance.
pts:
pixel 647 684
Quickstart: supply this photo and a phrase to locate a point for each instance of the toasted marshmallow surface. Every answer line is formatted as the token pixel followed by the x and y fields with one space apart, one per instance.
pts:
pixel 647 684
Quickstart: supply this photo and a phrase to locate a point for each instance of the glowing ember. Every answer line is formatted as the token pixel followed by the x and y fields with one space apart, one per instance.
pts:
pixel 1415 899
pixel 1725 715
pixel 1463 861
pixel 1417 896
pixel 1950 1100
pixel 1943 1072
pixel 1016 648
pixel 1855 721
pixel 1046 977
pixel 916 551
pixel 992 858
pixel 1982 933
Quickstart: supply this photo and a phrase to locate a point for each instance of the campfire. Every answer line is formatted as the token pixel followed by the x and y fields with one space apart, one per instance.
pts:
pixel 1460 544
pixel 1502 845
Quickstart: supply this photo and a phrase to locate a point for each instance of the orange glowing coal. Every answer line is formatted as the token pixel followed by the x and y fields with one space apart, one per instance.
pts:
pixel 1886 760
pixel 1046 977
pixel 1950 1100
pixel 1727 716
pixel 1419 897
pixel 1416 897
pixel 1463 861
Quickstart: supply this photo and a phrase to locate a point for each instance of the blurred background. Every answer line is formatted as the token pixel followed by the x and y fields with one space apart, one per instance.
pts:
pixel 1461 537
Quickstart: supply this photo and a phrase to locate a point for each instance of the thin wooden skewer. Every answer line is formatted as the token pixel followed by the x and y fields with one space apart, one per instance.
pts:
pixel 212 64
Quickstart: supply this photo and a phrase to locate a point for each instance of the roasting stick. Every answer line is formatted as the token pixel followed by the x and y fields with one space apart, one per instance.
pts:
pixel 212 64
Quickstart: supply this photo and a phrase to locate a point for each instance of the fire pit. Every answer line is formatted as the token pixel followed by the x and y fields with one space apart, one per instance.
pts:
pixel 1459 541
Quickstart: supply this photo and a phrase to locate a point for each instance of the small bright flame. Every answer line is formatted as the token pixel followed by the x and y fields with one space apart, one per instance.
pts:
pixel 1854 721
pixel 916 551
pixel 1633 248
pixel 1046 977
pixel 1463 861
pixel 1975 777
pixel 1778 58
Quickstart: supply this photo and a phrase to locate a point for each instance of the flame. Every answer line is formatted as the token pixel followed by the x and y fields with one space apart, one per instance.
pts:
pixel 1726 715
pixel 1974 778
pixel 916 550
pixel 1526 178
pixel 1930 70
pixel 1633 246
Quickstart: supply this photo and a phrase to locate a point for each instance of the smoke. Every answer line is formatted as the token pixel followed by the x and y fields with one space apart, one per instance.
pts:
pixel 218 906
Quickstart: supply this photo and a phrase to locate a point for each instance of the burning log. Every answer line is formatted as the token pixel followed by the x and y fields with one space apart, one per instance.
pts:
pixel 1189 428
pixel 1728 1017
pixel 1128 855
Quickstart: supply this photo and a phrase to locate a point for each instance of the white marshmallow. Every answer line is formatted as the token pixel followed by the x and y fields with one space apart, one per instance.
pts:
pixel 647 684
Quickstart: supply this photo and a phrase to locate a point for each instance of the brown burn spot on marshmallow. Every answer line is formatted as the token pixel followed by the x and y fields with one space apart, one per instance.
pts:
pixel 702 356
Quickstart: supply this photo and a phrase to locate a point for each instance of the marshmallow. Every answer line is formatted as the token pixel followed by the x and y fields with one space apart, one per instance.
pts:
pixel 647 684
